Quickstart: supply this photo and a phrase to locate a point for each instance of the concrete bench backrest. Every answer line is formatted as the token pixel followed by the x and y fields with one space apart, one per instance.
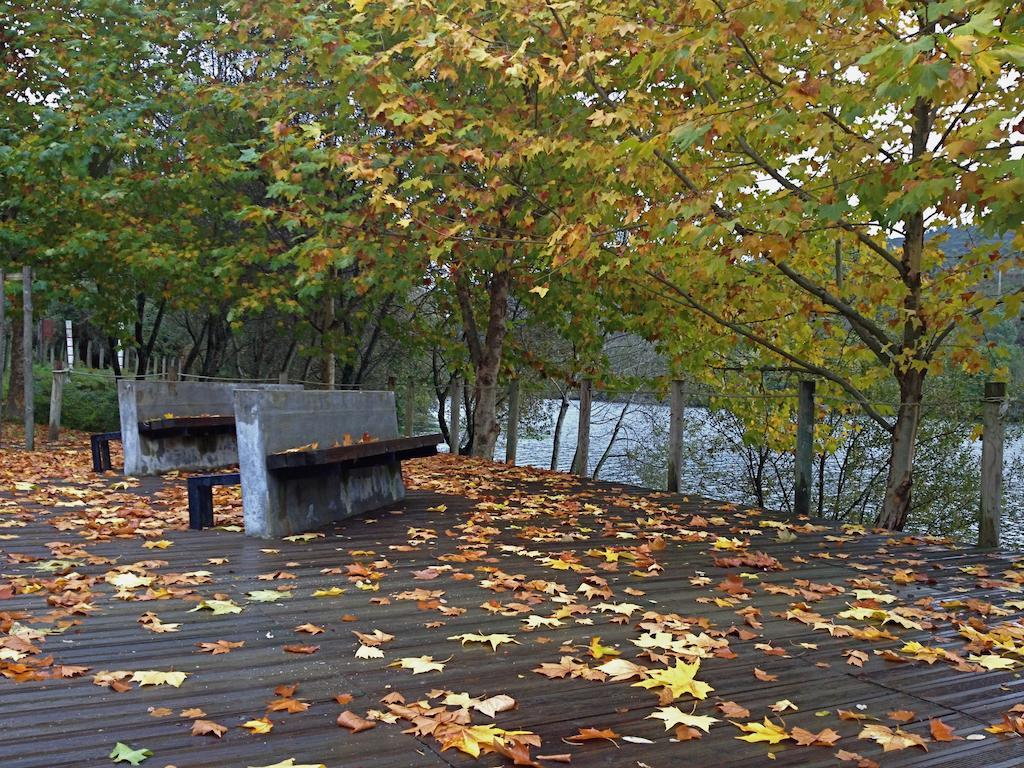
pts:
pixel 146 400
pixel 295 419
pixel 272 422
pixel 154 399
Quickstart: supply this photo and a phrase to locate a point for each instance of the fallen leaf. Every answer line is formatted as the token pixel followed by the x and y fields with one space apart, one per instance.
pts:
pixel 124 754
pixel 208 728
pixel 354 722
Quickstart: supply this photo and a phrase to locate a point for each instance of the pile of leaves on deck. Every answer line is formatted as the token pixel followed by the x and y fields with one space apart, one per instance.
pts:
pixel 672 656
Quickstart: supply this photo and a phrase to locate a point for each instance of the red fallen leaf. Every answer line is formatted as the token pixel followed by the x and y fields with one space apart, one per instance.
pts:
pixel 349 617
pixel 343 698
pixel 516 751
pixel 805 738
pixel 590 734
pixel 733 711
pixel 686 733
pixel 354 722
pixel 65 670
pixel 855 658
pixel 845 756
pixel 287 705
pixel 902 715
pixel 208 728
pixel 845 714
pixel 763 676
pixel 299 648
pixel 221 646
pixel 286 691
pixel 941 731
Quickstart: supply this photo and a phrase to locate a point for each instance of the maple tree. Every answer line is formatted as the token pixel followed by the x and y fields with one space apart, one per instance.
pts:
pixel 746 158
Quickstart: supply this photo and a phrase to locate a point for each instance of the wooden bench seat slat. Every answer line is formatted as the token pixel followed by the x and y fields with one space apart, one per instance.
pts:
pixel 398 448
pixel 156 427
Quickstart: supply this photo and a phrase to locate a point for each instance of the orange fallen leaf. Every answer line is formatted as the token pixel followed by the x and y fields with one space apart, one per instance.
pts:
pixel 805 738
pixel 208 728
pixel 940 731
pixel 591 734
pixel 733 710
pixel 354 722
pixel 299 648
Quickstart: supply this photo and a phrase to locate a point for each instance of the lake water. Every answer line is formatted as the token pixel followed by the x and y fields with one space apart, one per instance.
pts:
pixel 643 432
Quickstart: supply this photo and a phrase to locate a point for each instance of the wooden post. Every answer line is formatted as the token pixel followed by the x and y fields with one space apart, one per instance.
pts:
pixel 456 413
pixel 3 343
pixel 512 435
pixel 60 374
pixel 103 355
pixel 677 405
pixel 27 343
pixel 392 383
pixel 582 459
pixel 88 354
pixel 282 377
pixel 804 448
pixel 992 464
pixel 3 334
pixel 410 407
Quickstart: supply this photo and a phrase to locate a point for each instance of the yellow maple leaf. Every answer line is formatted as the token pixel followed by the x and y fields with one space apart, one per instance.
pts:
pixel 679 680
pixel 766 731
pixel 495 639
pixel 599 651
pixel 156 677
pixel 673 716
pixel 263 725
pixel 419 664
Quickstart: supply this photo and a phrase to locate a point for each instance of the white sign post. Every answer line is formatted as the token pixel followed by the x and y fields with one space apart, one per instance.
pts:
pixel 71 344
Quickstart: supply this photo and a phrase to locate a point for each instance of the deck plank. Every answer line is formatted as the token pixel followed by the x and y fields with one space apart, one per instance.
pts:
pixel 503 519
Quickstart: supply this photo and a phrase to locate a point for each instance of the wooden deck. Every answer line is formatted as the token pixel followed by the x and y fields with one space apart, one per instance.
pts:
pixel 480 549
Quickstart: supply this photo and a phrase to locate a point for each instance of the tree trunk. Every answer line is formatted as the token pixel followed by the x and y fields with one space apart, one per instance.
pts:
pixel 556 440
pixel 16 388
pixel 486 357
pixel 910 374
pixel 615 436
pixel 898 484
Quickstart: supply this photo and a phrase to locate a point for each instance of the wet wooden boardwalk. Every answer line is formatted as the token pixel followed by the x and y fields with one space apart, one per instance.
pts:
pixel 479 549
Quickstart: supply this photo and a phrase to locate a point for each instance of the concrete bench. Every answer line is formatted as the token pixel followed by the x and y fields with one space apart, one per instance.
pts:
pixel 179 425
pixel 304 461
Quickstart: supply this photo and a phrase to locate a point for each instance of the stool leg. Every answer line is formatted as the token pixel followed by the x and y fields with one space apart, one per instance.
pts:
pixel 94 447
pixel 206 506
pixel 195 517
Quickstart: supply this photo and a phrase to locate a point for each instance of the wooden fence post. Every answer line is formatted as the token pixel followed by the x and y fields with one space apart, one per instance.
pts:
pixel 677 405
pixel 512 435
pixel 581 461
pixel 56 401
pixel 992 464
pixel 28 338
pixel 3 342
pixel 456 413
pixel 804 448
pixel 410 407
pixel 3 334
pixel 392 384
